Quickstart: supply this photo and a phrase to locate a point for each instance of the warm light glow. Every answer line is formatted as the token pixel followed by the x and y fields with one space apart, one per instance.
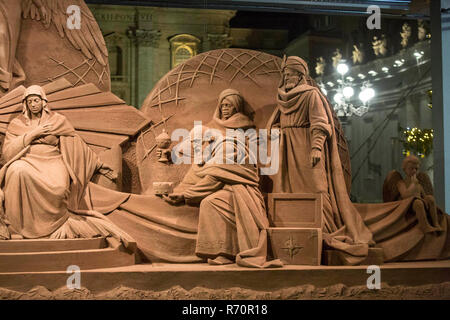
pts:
pixel 348 92
pixel 366 94
pixel 342 68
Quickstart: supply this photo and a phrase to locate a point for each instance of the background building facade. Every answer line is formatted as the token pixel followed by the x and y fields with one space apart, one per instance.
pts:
pixel 144 43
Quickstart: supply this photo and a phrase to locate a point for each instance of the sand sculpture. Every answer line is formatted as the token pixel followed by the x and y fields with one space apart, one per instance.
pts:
pixel 224 209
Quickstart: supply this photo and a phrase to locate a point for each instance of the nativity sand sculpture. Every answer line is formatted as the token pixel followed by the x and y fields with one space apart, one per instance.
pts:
pixel 233 222
pixel 308 127
pixel 180 233
pixel 47 170
pixel 163 230
pixel 53 147
pixel 309 162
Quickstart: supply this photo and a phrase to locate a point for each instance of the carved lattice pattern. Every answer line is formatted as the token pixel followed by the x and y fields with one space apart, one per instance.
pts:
pixel 215 66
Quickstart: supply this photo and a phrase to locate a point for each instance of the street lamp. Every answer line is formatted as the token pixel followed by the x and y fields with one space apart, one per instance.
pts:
pixel 345 92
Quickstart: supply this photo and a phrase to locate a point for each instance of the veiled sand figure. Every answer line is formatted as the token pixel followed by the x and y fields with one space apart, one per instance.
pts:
pixel 232 218
pixel 217 212
pixel 48 167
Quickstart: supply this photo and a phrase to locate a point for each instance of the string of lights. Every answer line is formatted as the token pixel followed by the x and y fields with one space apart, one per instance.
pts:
pixel 345 103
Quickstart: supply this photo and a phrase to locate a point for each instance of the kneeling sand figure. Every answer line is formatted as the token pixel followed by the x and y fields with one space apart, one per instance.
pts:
pixel 424 205
pixel 232 220
pixel 45 178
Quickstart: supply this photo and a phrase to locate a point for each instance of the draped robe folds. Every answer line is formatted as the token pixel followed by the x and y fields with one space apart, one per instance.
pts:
pixel 11 72
pixel 44 183
pixel 396 230
pixel 178 233
pixel 350 228
pixel 231 218
pixel 306 122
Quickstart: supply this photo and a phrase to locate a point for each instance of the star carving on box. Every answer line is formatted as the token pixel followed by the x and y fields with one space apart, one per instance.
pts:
pixel 291 247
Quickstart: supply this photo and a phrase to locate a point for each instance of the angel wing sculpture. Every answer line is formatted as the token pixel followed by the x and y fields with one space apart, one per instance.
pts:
pixel 390 185
pixel 416 185
pixel 88 38
pixel 46 25
pixel 390 189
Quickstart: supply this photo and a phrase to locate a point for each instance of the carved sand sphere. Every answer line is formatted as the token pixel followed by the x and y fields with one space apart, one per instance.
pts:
pixel 189 93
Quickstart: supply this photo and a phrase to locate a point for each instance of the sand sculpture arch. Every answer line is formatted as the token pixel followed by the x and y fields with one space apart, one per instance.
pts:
pixel 189 93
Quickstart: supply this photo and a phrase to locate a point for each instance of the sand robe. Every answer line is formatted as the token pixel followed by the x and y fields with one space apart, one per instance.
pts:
pixel 395 228
pixel 45 182
pixel 231 219
pixel 11 72
pixel 306 122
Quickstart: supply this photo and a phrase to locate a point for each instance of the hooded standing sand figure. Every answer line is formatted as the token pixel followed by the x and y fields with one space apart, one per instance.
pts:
pixel 310 162
pixel 48 167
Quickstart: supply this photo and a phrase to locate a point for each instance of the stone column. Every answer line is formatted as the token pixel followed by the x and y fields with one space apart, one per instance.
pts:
pixel 218 41
pixel 144 41
pixel 440 31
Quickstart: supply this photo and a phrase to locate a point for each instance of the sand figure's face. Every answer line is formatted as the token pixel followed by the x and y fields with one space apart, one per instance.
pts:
pixel 411 169
pixel 291 78
pixel 35 104
pixel 227 108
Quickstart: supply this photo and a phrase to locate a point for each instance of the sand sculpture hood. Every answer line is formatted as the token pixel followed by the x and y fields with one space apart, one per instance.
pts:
pixel 242 119
pixel 54 172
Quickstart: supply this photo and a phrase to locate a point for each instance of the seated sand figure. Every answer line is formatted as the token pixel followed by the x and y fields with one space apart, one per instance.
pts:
pixel 232 219
pixel 408 226
pixel 48 167
pixel 415 184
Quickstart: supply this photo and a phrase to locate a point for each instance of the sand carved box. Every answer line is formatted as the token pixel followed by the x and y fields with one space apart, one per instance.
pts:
pixel 295 210
pixel 297 246
pixel 295 231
